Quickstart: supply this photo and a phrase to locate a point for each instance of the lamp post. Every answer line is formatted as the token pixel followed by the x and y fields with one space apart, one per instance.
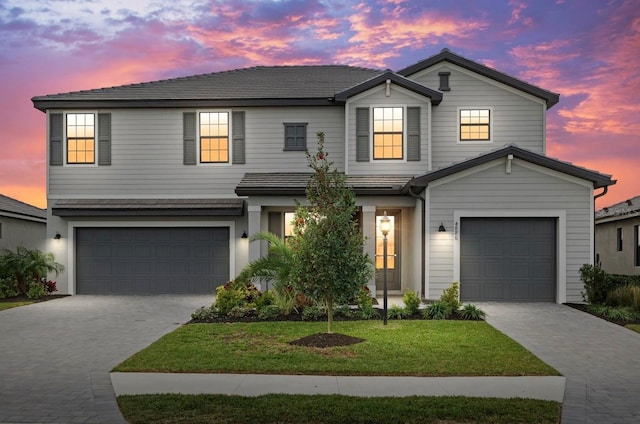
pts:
pixel 385 226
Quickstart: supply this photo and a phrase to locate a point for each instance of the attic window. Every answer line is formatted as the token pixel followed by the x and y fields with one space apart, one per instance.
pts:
pixel 444 81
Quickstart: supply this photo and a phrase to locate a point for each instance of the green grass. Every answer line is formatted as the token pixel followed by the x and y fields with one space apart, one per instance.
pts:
pixel 325 409
pixel 416 348
pixel 634 327
pixel 9 305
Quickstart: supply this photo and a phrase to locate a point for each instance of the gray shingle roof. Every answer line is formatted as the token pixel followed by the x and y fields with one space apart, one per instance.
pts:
pixel 295 183
pixel 630 208
pixel 258 85
pixel 599 180
pixel 16 207
pixel 148 207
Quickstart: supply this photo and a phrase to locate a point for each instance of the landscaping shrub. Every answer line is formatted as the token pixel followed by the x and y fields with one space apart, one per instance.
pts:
pixel 614 313
pixel 269 312
pixel 397 312
pixel 267 298
pixel 451 296
pixel 313 313
pixel 437 310
pixel 8 288
pixel 365 304
pixel 343 311
pixel 26 269
pixel 472 313
pixel 227 298
pixel 203 313
pixel 239 312
pixel 411 302
pixel 596 284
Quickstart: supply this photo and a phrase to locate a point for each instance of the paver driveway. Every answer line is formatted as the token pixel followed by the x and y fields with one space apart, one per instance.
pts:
pixel 55 356
pixel 600 360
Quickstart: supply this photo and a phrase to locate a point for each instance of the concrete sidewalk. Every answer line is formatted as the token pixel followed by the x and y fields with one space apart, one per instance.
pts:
pixel 546 388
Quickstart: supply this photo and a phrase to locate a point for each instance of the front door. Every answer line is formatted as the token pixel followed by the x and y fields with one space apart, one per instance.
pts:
pixel 393 252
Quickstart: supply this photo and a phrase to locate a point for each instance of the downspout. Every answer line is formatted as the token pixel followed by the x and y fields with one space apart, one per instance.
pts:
pixel 423 240
pixel 595 255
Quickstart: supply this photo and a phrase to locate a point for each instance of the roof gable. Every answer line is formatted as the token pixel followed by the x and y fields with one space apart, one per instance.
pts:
pixel 446 55
pixel 435 96
pixel 598 180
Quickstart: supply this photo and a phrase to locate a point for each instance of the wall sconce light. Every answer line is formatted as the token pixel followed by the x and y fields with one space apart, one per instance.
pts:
pixel 57 236
pixel 441 228
pixel 244 235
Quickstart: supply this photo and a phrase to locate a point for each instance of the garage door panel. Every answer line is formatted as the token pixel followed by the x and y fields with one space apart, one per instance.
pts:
pixel 511 259
pixel 151 260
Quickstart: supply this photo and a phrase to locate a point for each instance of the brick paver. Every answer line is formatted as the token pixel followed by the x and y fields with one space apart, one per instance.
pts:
pixel 601 360
pixel 55 356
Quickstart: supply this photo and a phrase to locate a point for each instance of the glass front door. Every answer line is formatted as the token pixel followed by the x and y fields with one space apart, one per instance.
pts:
pixel 393 252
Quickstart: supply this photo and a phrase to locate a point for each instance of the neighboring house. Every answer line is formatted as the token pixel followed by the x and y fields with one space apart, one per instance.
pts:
pixel 618 237
pixel 21 224
pixel 155 186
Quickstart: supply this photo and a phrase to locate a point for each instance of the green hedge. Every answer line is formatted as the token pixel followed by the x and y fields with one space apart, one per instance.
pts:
pixel 597 283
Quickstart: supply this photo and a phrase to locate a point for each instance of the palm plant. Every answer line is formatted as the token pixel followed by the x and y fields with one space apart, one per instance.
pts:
pixel 275 266
pixel 26 266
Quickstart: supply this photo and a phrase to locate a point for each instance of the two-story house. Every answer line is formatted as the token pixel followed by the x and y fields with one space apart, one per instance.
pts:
pixel 155 187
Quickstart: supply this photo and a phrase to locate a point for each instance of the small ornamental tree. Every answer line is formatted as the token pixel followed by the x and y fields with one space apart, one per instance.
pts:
pixel 328 263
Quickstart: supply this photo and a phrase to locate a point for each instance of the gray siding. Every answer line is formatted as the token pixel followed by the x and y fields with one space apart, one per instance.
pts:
pixel 517 119
pixel 493 190
pixel 399 96
pixel 612 260
pixel 147 154
pixel 20 232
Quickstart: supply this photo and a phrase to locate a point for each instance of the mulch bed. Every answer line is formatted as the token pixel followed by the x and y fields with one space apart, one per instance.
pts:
pixel 323 340
pixel 583 307
pixel 23 298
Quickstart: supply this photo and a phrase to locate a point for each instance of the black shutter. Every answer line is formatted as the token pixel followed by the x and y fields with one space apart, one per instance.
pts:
pixel 56 156
pixel 104 139
pixel 362 134
pixel 189 138
pixel 238 137
pixel 413 133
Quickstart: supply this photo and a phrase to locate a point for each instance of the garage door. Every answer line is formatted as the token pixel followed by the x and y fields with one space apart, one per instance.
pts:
pixel 508 259
pixel 151 260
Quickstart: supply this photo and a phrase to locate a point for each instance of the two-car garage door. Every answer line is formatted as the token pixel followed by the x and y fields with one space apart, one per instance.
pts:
pixel 151 260
pixel 508 259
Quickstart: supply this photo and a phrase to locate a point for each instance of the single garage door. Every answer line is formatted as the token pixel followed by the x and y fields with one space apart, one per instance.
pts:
pixel 151 260
pixel 508 259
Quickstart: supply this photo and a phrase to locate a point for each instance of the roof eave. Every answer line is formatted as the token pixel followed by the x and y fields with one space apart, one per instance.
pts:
pixel 42 103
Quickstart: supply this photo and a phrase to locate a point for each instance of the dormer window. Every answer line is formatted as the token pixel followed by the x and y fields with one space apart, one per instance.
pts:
pixel 388 132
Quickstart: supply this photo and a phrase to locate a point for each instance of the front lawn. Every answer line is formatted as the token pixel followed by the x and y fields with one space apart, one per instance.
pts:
pixel 634 327
pixel 326 409
pixel 9 305
pixel 415 348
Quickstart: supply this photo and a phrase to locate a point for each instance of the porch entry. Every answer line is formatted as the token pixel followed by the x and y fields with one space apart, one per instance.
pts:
pixel 393 251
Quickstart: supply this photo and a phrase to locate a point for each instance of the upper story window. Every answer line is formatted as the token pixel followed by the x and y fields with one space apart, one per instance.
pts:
pixel 475 124
pixel 388 133
pixel 214 137
pixel 80 138
pixel 295 136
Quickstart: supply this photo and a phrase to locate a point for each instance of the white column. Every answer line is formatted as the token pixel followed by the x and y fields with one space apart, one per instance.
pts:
pixel 369 233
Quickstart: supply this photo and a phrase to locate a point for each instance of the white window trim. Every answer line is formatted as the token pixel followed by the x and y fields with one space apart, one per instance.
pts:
pixel 230 135
pixel 72 225
pixel 561 239
pixel 404 134
pixel 65 160
pixel 491 125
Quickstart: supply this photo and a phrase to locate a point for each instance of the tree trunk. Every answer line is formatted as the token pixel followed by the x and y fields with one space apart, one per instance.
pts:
pixel 330 316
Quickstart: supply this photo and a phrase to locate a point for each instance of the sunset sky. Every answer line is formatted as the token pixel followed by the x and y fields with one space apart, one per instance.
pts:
pixel 588 51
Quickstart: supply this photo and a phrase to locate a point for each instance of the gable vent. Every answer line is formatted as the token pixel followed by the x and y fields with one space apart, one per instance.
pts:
pixel 444 81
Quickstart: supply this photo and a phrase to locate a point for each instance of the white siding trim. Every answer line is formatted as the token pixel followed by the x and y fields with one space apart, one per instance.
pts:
pixel 346 137
pixel 561 239
pixel 427 239
pixel 72 225
pixel 592 229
